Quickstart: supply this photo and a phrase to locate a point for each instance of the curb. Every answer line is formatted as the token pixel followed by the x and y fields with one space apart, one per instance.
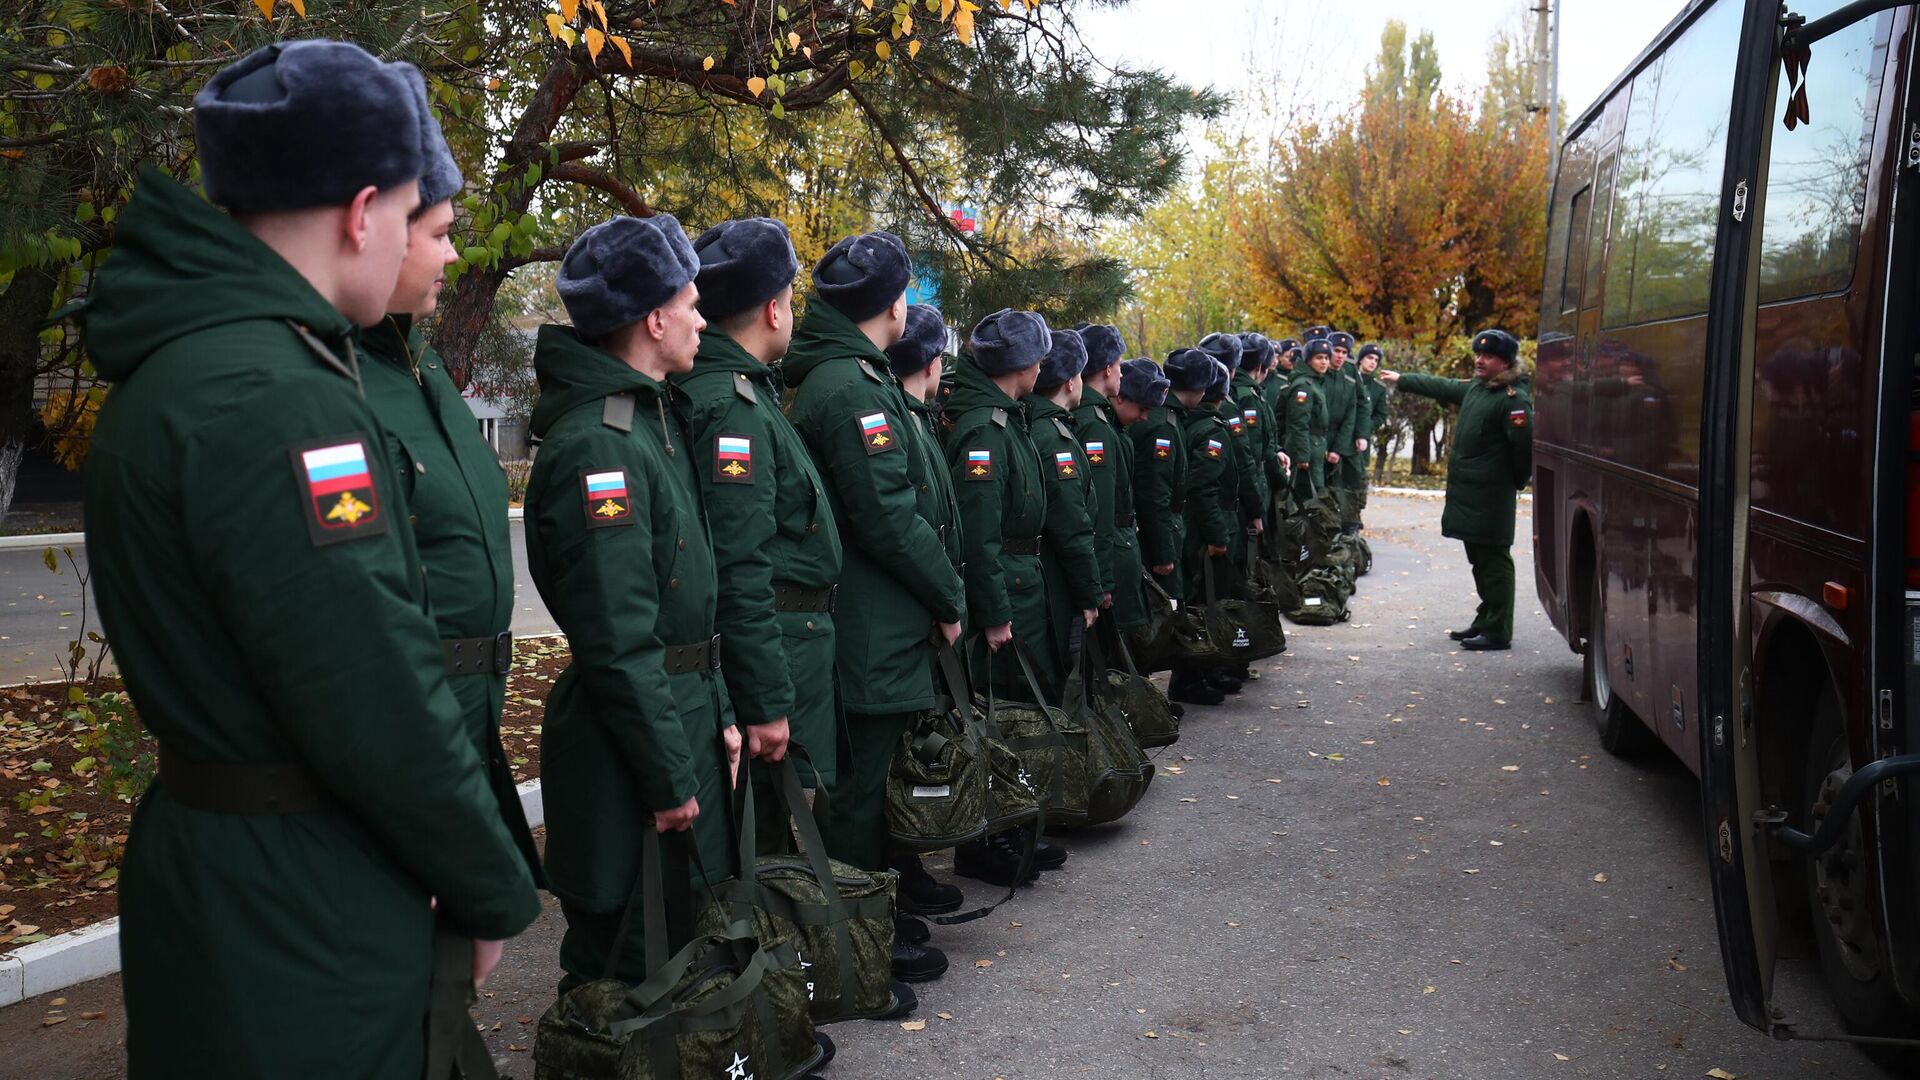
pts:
pixel 29 541
pixel 94 951
pixel 1425 493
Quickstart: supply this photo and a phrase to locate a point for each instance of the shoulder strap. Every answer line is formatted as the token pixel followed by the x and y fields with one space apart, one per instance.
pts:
pixel 1060 426
pixel 867 369
pixel 348 367
pixel 999 418
pixel 743 389
pixel 616 411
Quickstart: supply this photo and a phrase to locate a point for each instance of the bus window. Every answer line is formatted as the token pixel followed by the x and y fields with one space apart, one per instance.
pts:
pixel 1597 231
pixel 1576 251
pixel 1817 173
pixel 1669 175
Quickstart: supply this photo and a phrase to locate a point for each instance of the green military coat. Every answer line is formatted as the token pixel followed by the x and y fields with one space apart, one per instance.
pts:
pixel 1344 409
pixel 457 493
pixel 1076 581
pixel 1003 492
pixel 1116 546
pixel 772 526
pixel 1160 492
pixel 1212 504
pixel 1265 434
pixel 1307 427
pixel 1492 455
pixel 896 581
pixel 617 544
pixel 1370 415
pixel 256 571
pixel 1250 495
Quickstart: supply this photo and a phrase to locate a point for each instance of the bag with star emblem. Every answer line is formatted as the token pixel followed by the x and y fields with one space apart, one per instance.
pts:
pixel 1051 747
pixel 838 919
pixel 704 1011
pixel 937 785
pixel 1242 631
pixel 1175 633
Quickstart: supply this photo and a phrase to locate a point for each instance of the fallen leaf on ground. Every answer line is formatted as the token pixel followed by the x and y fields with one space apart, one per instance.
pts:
pixel 1509 768
pixel 1721 1074
pixel 1427 989
pixel 944 1016
pixel 1189 800
pixel 52 1020
pixel 913 1025
pixel 1496 843
pixel 1150 1035
pixel 1273 779
pixel 1336 757
pixel 94 1014
pixel 1675 964
pixel 1384 782
pixel 1556 1057
pixel 983 963
pixel 1601 878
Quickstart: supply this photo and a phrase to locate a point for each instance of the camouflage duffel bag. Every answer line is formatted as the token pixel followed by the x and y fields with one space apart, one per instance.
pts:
pixel 1118 772
pixel 1242 631
pixel 837 918
pixel 1051 747
pixel 1362 556
pixel 937 785
pixel 1323 598
pixel 1175 633
pixel 714 1005
pixel 1268 582
pixel 1145 706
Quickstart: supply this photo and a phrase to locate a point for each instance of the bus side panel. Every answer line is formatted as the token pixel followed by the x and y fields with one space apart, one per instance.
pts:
pixel 1623 530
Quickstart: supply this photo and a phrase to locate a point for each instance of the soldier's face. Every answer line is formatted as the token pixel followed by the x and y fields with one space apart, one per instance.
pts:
pixel 680 330
pixel 1486 366
pixel 782 328
pixel 429 253
pixel 376 234
pixel 1070 395
pixel 1339 357
pixel 1369 363
pixel 1319 362
pixel 1128 412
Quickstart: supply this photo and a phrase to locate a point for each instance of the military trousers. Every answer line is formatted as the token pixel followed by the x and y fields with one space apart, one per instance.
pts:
pixel 594 947
pixel 1354 481
pixel 1493 578
pixel 858 831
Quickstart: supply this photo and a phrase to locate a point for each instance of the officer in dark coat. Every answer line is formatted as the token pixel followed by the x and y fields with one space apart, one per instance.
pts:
pixel 776 546
pixel 899 590
pixel 322 799
pixel 1492 460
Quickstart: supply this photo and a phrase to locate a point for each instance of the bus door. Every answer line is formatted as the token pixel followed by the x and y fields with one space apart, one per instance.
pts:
pixel 1875 802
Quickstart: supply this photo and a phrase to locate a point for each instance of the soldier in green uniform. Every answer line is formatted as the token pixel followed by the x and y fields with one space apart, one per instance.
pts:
pixel 898 590
pixel 1160 473
pixel 321 798
pixel 638 732
pixel 1287 356
pixel 918 361
pixel 454 486
pixel 1492 460
pixel 1077 585
pixel 1210 483
pixel 1003 496
pixel 1373 396
pixel 1250 491
pixel 776 547
pixel 1342 387
pixel 1307 422
pixel 1250 400
pixel 1098 421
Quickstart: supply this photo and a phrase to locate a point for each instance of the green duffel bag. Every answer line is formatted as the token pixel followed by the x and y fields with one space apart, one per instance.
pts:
pixel 1267 582
pixel 937 785
pixel 1118 772
pixel 1362 556
pixel 1051 748
pixel 711 1007
pixel 1242 631
pixel 1145 706
pixel 1323 598
pixel 1175 633
pixel 837 918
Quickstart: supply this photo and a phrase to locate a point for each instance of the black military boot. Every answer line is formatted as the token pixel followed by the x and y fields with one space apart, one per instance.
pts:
pixel 1246 674
pixel 994 860
pixel 1482 643
pixel 911 930
pixel 827 1049
pixel 904 1001
pixel 1462 635
pixel 1224 681
pixel 921 894
pixel 1189 686
pixel 917 963
pixel 1046 854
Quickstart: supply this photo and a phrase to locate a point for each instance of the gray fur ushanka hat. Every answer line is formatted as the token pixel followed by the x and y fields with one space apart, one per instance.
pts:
pixel 622 270
pixel 743 263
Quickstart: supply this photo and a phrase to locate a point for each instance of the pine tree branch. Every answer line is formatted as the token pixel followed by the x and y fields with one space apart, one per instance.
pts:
pixel 912 174
pixel 575 173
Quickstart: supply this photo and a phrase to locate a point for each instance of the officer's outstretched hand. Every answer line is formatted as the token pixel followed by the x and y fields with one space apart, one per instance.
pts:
pixel 1389 377
pixel 950 631
pixel 998 636
pixel 680 818
pixel 768 742
pixel 486 957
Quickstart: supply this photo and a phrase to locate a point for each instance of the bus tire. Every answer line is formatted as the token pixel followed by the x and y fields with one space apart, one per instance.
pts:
pixel 1839 887
pixel 1621 733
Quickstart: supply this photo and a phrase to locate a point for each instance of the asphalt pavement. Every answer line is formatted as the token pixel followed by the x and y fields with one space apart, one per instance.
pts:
pixel 1385 859
pixel 41 612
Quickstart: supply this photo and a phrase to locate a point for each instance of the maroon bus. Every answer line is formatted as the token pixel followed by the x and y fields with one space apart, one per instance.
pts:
pixel 1726 452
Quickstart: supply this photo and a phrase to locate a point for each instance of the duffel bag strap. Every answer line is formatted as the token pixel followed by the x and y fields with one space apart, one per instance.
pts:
pixel 454 1045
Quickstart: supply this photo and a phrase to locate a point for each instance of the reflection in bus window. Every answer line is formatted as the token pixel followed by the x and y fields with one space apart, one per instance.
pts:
pixel 1576 251
pixel 1817 173
pixel 1597 231
pixel 1669 175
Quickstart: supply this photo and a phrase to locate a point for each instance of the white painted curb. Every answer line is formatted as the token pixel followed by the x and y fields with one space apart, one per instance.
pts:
pixel 1424 493
pixel 42 540
pixel 93 951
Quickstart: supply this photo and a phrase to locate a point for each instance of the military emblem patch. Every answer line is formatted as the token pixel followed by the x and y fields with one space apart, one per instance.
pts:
pixel 876 433
pixel 605 497
pixel 1300 396
pixel 1233 424
pixel 979 465
pixel 1214 448
pixel 1518 418
pixel 1096 452
pixel 1163 448
pixel 1252 417
pixel 733 459
pixel 342 502
pixel 1064 466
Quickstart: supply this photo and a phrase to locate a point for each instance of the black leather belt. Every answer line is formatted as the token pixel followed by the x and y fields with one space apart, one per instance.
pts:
pixel 1014 546
pixel 480 655
pixel 240 787
pixel 1124 521
pixel 788 597
pixel 705 656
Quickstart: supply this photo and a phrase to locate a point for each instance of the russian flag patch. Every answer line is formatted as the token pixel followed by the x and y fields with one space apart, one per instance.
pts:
pixel 342 501
pixel 1163 448
pixel 733 459
pixel 979 465
pixel 1213 448
pixel 606 498
pixel 876 432
pixel 1063 464
pixel 1096 452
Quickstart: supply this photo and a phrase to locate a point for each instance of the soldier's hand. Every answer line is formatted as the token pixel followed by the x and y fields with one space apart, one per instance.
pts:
pixel 730 738
pixel 1162 570
pixel 999 635
pixel 1389 377
pixel 1257 526
pixel 1216 549
pixel 950 631
pixel 678 819
pixel 1359 446
pixel 768 742
pixel 1106 601
pixel 1087 616
pixel 1285 463
pixel 486 957
pixel 1333 458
